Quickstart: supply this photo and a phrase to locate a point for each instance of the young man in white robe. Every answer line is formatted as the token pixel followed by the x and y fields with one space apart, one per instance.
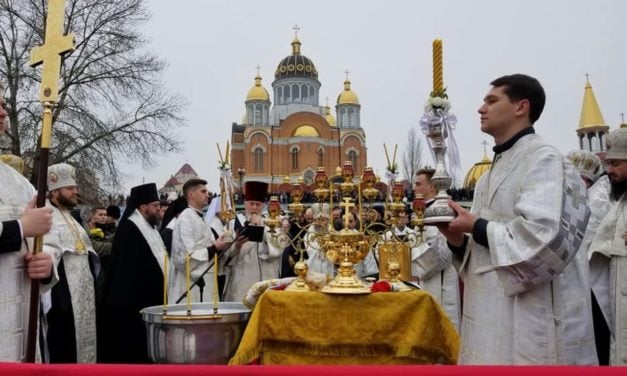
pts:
pixel 247 262
pixel 71 320
pixel 192 238
pixel 20 221
pixel 526 288
pixel 432 261
pixel 608 250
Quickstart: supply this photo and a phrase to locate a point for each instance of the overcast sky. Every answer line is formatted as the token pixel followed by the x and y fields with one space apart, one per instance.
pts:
pixel 213 47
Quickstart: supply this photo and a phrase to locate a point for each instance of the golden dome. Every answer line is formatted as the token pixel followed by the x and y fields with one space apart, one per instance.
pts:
pixel 306 131
pixel 590 112
pixel 347 96
pixel 329 117
pixel 476 171
pixel 258 92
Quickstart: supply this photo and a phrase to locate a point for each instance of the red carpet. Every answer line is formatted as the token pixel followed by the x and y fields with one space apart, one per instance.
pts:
pixel 176 370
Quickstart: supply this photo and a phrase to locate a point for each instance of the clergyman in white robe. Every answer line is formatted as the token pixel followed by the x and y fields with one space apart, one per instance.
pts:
pixel 527 295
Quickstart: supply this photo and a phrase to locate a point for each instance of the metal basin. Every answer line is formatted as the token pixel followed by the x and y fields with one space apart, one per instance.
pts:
pixel 181 339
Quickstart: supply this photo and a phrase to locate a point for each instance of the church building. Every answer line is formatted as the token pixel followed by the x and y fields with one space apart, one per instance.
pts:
pixel 292 134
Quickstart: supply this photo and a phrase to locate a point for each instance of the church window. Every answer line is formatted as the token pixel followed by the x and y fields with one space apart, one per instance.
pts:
pixel 352 156
pixel 296 93
pixel 294 153
pixel 312 95
pixel 351 118
pixel 305 94
pixel 258 157
pixel 279 93
pixel 258 113
pixel 320 157
pixel 286 92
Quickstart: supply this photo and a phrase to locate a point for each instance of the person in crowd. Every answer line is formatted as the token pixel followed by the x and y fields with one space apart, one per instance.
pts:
pixel 608 252
pixel 20 220
pixel 249 261
pixel 71 320
pixel 526 288
pixel 192 240
pixel 138 264
pixel 432 261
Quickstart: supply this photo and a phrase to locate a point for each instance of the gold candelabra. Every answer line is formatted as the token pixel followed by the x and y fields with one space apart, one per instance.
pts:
pixel 347 247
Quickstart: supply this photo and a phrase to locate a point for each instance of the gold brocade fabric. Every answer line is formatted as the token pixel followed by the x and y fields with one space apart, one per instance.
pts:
pixel 315 328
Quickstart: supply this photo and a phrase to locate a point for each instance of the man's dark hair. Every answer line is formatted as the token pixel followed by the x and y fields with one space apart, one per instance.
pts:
pixel 520 86
pixel 96 208
pixel 426 171
pixel 192 183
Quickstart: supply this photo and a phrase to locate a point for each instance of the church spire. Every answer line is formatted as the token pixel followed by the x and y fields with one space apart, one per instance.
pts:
pixel 592 127
pixel 590 112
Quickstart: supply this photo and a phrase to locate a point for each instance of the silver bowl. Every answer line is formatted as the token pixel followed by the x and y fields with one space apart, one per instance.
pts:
pixel 197 339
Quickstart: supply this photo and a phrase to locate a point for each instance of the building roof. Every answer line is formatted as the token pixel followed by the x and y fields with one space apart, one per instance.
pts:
pixel 590 112
pixel 476 171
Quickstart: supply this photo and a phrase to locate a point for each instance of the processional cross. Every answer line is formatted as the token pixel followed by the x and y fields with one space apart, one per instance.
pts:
pixel 48 54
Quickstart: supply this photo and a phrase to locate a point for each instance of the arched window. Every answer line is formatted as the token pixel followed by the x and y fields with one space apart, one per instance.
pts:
pixel 294 153
pixel 286 93
pixel 295 93
pixel 258 113
pixel 258 157
pixel 320 157
pixel 352 156
pixel 305 94
pixel 279 93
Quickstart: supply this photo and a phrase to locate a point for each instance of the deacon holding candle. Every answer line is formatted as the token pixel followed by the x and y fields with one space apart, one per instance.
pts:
pixel 138 266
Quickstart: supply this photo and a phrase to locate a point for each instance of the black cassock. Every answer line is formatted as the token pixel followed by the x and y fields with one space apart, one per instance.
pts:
pixel 135 282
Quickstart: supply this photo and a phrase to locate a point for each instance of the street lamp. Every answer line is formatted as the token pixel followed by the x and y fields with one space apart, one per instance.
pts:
pixel 241 172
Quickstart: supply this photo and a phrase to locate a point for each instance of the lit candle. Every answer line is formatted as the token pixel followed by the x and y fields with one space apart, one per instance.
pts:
pixel 216 297
pixel 438 80
pixel 165 282
pixel 330 207
pixel 361 220
pixel 188 276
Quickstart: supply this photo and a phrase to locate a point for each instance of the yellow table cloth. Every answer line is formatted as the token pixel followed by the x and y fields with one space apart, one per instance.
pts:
pixel 288 327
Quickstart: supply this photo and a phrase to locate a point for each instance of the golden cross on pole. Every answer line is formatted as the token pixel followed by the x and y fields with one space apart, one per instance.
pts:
pixel 296 28
pixel 346 72
pixel 55 44
pixel 258 69
pixel 49 54
pixel 485 146
pixel 347 205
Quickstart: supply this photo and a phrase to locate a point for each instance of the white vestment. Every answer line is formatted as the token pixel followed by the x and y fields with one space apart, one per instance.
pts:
pixel 317 259
pixel 15 193
pixel 249 263
pixel 527 296
pixel 600 203
pixel 191 237
pixel 608 246
pixel 61 243
pixel 432 263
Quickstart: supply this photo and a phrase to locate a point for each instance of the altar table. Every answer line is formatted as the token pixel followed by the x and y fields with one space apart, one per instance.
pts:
pixel 289 327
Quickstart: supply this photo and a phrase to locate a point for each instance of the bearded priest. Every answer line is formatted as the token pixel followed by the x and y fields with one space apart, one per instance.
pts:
pixel 138 258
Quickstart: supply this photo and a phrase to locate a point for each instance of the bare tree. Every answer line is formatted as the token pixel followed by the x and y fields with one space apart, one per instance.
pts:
pixel 412 156
pixel 112 106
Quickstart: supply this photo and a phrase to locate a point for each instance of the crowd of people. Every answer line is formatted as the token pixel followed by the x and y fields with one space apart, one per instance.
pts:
pixel 541 255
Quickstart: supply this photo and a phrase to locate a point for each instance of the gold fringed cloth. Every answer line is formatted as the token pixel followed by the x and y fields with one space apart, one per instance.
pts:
pixel 381 328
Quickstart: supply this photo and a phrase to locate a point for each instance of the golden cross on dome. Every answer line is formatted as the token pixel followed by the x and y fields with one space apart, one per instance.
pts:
pixel 346 72
pixel 347 205
pixel 55 45
pixel 327 98
pixel 622 117
pixel 587 77
pixel 485 146
pixel 296 28
pixel 258 69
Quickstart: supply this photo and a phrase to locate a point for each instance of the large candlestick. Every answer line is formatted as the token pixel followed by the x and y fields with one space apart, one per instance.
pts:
pixel 165 283
pixel 216 294
pixel 438 79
